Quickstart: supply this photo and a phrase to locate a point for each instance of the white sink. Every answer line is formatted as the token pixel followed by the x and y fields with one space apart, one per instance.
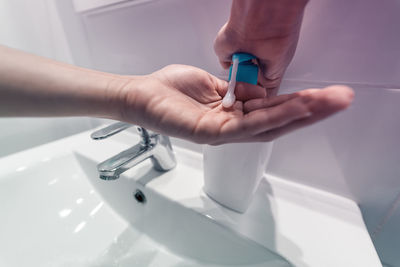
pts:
pixel 55 211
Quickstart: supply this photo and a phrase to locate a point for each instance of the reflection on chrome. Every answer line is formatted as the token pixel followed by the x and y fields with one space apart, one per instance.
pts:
pixel 79 227
pixel 209 216
pixel 46 159
pixel 96 209
pixel 55 180
pixel 21 168
pixel 91 192
pixel 79 201
pixel 64 213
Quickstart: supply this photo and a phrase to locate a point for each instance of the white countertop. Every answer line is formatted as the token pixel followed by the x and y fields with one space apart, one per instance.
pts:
pixel 308 227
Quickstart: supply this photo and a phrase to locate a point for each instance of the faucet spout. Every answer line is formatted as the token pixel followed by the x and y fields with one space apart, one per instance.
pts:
pixel 111 168
pixel 152 146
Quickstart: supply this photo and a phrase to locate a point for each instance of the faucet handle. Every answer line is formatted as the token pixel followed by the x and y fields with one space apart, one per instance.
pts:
pixel 110 130
pixel 152 145
pixel 117 127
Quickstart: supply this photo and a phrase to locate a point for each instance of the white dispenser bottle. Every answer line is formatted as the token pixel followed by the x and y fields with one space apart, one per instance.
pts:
pixel 232 172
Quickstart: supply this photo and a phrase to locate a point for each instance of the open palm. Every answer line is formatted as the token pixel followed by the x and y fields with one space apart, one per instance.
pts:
pixel 185 102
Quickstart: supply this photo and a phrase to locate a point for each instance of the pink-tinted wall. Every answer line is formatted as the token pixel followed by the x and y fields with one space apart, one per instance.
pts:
pixel 357 42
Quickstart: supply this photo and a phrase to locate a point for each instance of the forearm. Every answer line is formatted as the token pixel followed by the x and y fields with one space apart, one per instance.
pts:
pixel 261 19
pixel 36 86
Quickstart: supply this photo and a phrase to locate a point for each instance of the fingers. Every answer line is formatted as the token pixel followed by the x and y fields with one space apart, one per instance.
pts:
pixel 322 106
pixel 270 123
pixel 266 119
pixel 329 100
pixel 244 91
pixel 259 103
pixel 225 64
pixel 270 85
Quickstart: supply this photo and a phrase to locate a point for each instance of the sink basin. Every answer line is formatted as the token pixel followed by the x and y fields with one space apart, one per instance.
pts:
pixel 55 211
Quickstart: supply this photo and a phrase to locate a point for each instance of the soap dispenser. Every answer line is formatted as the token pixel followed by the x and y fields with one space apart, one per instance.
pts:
pixel 232 172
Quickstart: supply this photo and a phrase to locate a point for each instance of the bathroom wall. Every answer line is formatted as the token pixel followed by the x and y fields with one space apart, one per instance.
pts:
pixel 35 27
pixel 142 36
pixel 354 153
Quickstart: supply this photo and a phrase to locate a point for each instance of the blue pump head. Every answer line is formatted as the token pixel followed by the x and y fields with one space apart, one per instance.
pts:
pixel 247 71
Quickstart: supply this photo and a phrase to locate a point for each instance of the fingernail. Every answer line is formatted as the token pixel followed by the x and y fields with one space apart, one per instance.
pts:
pixel 308 114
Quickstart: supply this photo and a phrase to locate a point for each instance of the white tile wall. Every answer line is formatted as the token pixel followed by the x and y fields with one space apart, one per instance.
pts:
pixel 387 241
pixel 349 41
pixel 22 133
pixel 35 27
pixel 141 38
pixel 354 154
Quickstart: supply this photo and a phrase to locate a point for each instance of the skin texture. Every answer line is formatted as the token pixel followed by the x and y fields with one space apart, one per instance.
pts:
pixel 178 100
pixel 268 29
pixel 188 105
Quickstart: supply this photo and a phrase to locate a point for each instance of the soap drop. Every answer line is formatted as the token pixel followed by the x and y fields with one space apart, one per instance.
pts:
pixel 229 98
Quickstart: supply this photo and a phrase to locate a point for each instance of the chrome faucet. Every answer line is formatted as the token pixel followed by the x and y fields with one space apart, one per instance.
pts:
pixel 152 145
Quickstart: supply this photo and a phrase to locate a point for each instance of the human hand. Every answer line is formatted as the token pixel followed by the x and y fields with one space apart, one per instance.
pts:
pixel 181 101
pixel 184 101
pixel 267 29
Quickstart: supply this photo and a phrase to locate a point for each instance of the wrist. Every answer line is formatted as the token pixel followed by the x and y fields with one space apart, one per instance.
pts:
pixel 114 95
pixel 123 98
pixel 255 20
